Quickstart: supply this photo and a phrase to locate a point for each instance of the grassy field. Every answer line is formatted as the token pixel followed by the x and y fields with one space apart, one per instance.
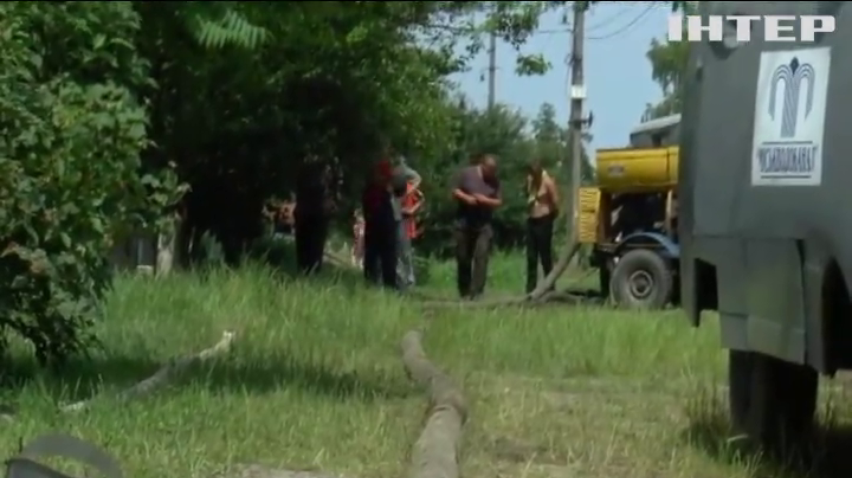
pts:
pixel 314 382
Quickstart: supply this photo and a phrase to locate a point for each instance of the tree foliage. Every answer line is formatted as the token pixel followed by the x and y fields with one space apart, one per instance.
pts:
pixel 69 163
pixel 668 65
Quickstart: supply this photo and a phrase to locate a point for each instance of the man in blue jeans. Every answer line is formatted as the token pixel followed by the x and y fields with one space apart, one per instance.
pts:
pixel 403 175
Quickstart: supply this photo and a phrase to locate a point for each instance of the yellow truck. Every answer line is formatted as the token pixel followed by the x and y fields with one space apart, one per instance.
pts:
pixel 629 218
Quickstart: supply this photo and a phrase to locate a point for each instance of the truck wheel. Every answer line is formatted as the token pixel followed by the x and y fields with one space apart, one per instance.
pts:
pixel 739 386
pixel 642 280
pixel 772 401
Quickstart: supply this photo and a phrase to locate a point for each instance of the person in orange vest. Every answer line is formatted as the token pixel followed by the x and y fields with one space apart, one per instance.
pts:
pixel 406 183
pixel 412 201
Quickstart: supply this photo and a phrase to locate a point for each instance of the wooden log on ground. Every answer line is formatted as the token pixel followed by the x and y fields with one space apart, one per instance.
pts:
pixel 162 376
pixel 566 296
pixel 435 453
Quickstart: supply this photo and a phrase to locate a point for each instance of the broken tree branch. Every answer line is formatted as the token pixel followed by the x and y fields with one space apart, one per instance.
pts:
pixel 163 375
pixel 435 453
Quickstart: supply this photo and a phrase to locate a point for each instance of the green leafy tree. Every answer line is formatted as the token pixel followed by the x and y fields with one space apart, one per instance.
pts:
pixel 668 67
pixel 553 144
pixel 70 178
pixel 331 80
pixel 668 63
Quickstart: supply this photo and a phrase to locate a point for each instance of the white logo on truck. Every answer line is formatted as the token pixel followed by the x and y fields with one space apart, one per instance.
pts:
pixel 789 117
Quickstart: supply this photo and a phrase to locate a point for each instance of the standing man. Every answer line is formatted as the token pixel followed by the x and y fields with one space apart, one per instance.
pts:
pixel 380 228
pixel 406 182
pixel 312 210
pixel 477 192
pixel 543 207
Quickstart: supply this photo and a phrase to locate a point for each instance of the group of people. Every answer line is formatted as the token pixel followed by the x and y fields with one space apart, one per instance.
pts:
pixel 478 193
pixel 386 225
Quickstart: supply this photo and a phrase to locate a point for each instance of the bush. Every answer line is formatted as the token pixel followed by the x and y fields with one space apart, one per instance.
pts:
pixel 69 165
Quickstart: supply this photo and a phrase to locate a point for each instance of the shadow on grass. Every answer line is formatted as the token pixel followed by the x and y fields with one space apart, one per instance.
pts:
pixel 107 373
pixel 314 378
pixel 84 379
pixel 710 430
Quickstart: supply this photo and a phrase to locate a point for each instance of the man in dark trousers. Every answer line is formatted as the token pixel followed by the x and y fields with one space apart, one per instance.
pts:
pixel 543 207
pixel 476 189
pixel 313 206
pixel 380 228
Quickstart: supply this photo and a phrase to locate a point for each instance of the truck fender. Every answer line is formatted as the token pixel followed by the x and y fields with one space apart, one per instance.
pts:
pixel 668 248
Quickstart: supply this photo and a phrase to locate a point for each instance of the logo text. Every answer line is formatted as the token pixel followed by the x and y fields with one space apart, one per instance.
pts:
pixel 776 28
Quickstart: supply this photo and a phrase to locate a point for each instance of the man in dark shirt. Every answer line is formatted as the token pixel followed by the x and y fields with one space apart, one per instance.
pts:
pixel 477 191
pixel 380 228
pixel 313 207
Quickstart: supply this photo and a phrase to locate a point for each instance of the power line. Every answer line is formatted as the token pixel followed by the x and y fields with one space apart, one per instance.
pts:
pixel 609 20
pixel 551 31
pixel 623 29
pixel 626 27
pixel 619 31
pixel 555 31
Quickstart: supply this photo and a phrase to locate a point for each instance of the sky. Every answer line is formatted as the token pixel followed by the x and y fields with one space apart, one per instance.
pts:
pixel 617 73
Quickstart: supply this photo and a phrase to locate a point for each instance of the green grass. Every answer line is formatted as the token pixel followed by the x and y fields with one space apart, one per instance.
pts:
pixel 315 382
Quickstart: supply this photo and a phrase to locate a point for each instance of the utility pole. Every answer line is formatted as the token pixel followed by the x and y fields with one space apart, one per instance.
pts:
pixel 576 123
pixel 492 69
pixel 574 166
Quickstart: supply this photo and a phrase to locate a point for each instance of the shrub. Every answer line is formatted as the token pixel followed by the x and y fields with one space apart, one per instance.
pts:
pixel 70 170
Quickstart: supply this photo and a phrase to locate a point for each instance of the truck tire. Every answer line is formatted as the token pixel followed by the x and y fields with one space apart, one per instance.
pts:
pixel 739 387
pixel 642 280
pixel 773 402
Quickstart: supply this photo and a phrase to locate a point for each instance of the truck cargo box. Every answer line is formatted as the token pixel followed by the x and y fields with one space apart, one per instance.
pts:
pixel 637 169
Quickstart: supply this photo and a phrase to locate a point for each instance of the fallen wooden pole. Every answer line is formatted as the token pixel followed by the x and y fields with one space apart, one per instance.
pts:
pixel 565 296
pixel 435 453
pixel 163 375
